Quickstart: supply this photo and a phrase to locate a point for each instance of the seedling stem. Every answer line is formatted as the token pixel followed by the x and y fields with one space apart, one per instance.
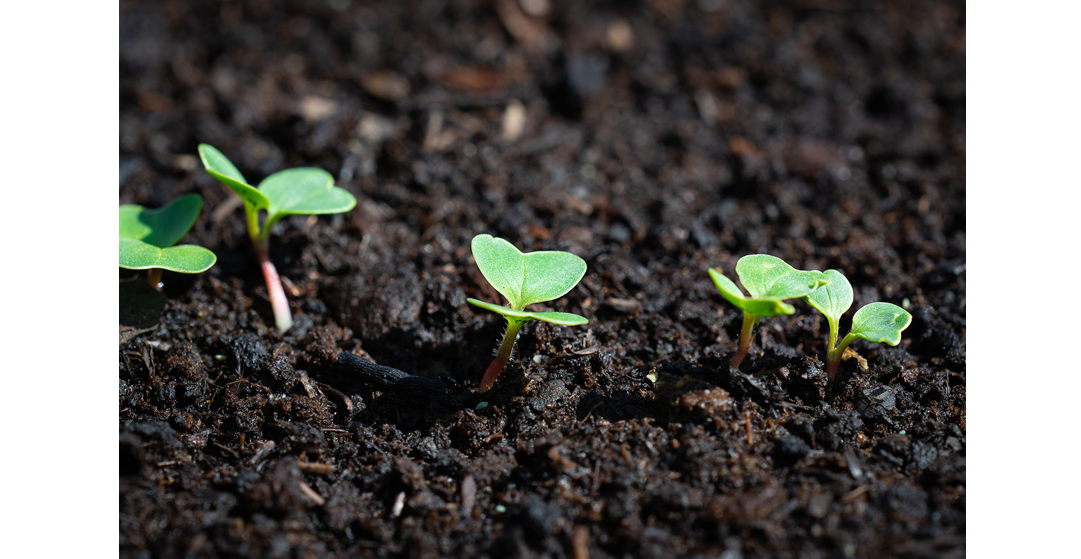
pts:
pixel 153 277
pixel 745 337
pixel 503 355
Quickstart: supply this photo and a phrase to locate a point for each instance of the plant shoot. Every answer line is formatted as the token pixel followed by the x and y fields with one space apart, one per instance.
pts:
pixel 875 322
pixel 770 281
pixel 301 191
pixel 147 237
pixel 524 279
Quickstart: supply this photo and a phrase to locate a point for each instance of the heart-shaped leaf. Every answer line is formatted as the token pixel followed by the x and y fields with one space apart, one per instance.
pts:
pixel 769 277
pixel 880 322
pixel 526 278
pixel 561 318
pixel 758 307
pixel 550 274
pixel 189 259
pixel 834 298
pixel 162 227
pixel 222 169
pixel 305 191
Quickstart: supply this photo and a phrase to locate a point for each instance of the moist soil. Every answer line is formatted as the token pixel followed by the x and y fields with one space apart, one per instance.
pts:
pixel 654 139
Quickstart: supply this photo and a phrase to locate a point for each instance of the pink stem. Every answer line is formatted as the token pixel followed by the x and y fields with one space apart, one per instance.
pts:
pixel 283 318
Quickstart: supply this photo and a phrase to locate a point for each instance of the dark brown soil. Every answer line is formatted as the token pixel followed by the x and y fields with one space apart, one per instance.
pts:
pixel 660 138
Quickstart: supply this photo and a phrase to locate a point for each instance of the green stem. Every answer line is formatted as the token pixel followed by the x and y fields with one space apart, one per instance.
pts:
pixel 833 358
pixel 745 337
pixel 503 355
pixel 253 223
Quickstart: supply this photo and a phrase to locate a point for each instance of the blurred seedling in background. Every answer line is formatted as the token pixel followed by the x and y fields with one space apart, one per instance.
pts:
pixel 770 281
pixel 301 191
pixel 875 322
pixel 147 237
pixel 524 279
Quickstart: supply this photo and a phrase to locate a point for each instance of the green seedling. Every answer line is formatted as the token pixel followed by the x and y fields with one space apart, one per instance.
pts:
pixel 301 191
pixel 770 281
pixel 524 279
pixel 147 238
pixel 875 322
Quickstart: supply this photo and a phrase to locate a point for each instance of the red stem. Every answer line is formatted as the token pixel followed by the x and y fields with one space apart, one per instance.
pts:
pixel 502 357
pixel 831 367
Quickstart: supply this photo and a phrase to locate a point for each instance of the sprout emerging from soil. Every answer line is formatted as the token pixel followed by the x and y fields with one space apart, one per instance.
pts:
pixel 301 191
pixel 147 238
pixel 770 281
pixel 524 279
pixel 875 322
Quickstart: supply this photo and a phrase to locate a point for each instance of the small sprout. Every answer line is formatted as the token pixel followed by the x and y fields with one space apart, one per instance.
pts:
pixel 147 238
pixel 524 279
pixel 301 191
pixel 770 281
pixel 875 322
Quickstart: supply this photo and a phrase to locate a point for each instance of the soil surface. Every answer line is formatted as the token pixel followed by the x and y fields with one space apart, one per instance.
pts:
pixel 654 139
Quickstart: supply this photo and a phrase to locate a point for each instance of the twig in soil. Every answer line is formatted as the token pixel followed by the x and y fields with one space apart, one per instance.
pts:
pixel 262 453
pixel 316 468
pixel 851 496
pixel 311 494
pixel 389 379
pixel 590 412
pixel 750 428
pixel 226 449
pixel 469 495
pixel 346 400
pixel 580 541
pixel 399 504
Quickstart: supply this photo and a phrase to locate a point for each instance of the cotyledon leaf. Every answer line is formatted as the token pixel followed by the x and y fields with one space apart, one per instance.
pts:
pixel 502 265
pixel 550 274
pixel 758 272
pixel 561 318
pixel 161 227
pixel 222 169
pixel 766 276
pixel 834 298
pixel 880 322
pixel 305 191
pixel 759 307
pixel 189 259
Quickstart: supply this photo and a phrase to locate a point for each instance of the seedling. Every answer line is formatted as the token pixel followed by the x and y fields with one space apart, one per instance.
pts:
pixel 875 322
pixel 147 238
pixel 524 279
pixel 301 191
pixel 770 281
